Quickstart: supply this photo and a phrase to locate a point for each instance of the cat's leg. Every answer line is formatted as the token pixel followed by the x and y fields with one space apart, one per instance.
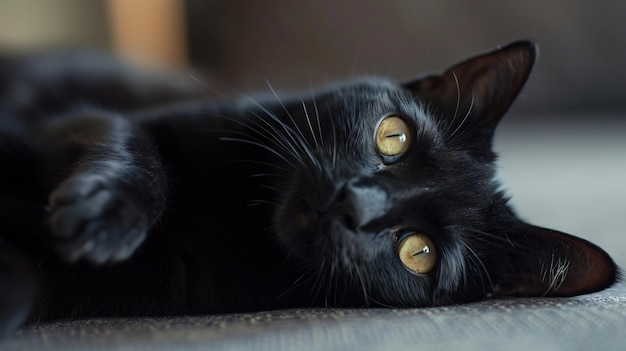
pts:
pixel 113 186
pixel 18 288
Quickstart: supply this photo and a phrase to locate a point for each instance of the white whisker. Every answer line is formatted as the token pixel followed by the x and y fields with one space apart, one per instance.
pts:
pixel 300 143
pixel 303 143
pixel 204 84
pixel 334 147
pixel 306 113
pixel 275 137
pixel 555 274
pixel 469 110
pixel 458 98
pixel 480 262
pixel 317 116
pixel 293 121
pixel 268 164
pixel 273 117
pixel 261 145
pixel 362 283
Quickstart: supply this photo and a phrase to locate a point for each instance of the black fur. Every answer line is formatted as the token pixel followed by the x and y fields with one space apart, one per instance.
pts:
pixel 122 194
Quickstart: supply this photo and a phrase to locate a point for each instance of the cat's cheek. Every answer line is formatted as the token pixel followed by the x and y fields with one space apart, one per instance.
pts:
pixel 304 222
pixel 295 226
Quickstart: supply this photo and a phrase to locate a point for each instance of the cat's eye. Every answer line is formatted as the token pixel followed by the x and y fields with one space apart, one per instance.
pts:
pixel 393 138
pixel 418 253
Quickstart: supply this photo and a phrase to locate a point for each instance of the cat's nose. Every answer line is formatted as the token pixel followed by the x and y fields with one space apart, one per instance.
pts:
pixel 360 202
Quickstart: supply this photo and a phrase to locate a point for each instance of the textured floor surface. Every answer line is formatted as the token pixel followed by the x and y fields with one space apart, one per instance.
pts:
pixel 568 174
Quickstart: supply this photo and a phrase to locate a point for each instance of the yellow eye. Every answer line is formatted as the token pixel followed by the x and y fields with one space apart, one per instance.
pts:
pixel 393 136
pixel 418 253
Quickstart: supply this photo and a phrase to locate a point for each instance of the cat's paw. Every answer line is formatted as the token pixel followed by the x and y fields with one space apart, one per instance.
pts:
pixel 95 220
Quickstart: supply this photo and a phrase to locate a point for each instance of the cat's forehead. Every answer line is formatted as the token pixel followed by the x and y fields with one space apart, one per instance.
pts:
pixel 369 88
pixel 376 96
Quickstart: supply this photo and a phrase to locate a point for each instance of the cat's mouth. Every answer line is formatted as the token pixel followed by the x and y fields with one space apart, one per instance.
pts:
pixel 348 216
pixel 312 221
pixel 305 221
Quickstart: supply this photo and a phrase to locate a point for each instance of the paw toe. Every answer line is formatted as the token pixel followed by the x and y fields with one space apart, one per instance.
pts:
pixel 97 224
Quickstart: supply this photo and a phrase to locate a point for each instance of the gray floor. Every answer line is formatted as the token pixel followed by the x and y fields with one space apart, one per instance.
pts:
pixel 591 322
pixel 567 174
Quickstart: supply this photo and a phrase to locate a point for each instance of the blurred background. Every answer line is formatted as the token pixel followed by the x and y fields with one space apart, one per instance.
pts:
pixel 294 44
pixel 562 147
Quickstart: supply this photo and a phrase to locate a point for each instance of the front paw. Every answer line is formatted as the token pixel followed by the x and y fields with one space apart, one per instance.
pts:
pixel 95 220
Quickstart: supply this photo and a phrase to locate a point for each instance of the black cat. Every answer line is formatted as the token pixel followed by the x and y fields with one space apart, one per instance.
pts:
pixel 124 194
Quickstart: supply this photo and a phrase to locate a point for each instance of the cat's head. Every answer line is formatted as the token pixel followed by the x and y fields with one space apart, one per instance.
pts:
pixel 391 196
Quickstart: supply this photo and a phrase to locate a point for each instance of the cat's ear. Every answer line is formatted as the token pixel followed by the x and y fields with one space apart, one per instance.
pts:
pixel 544 262
pixel 475 93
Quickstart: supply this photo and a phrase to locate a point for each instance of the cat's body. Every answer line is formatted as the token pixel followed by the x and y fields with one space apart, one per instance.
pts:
pixel 123 198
